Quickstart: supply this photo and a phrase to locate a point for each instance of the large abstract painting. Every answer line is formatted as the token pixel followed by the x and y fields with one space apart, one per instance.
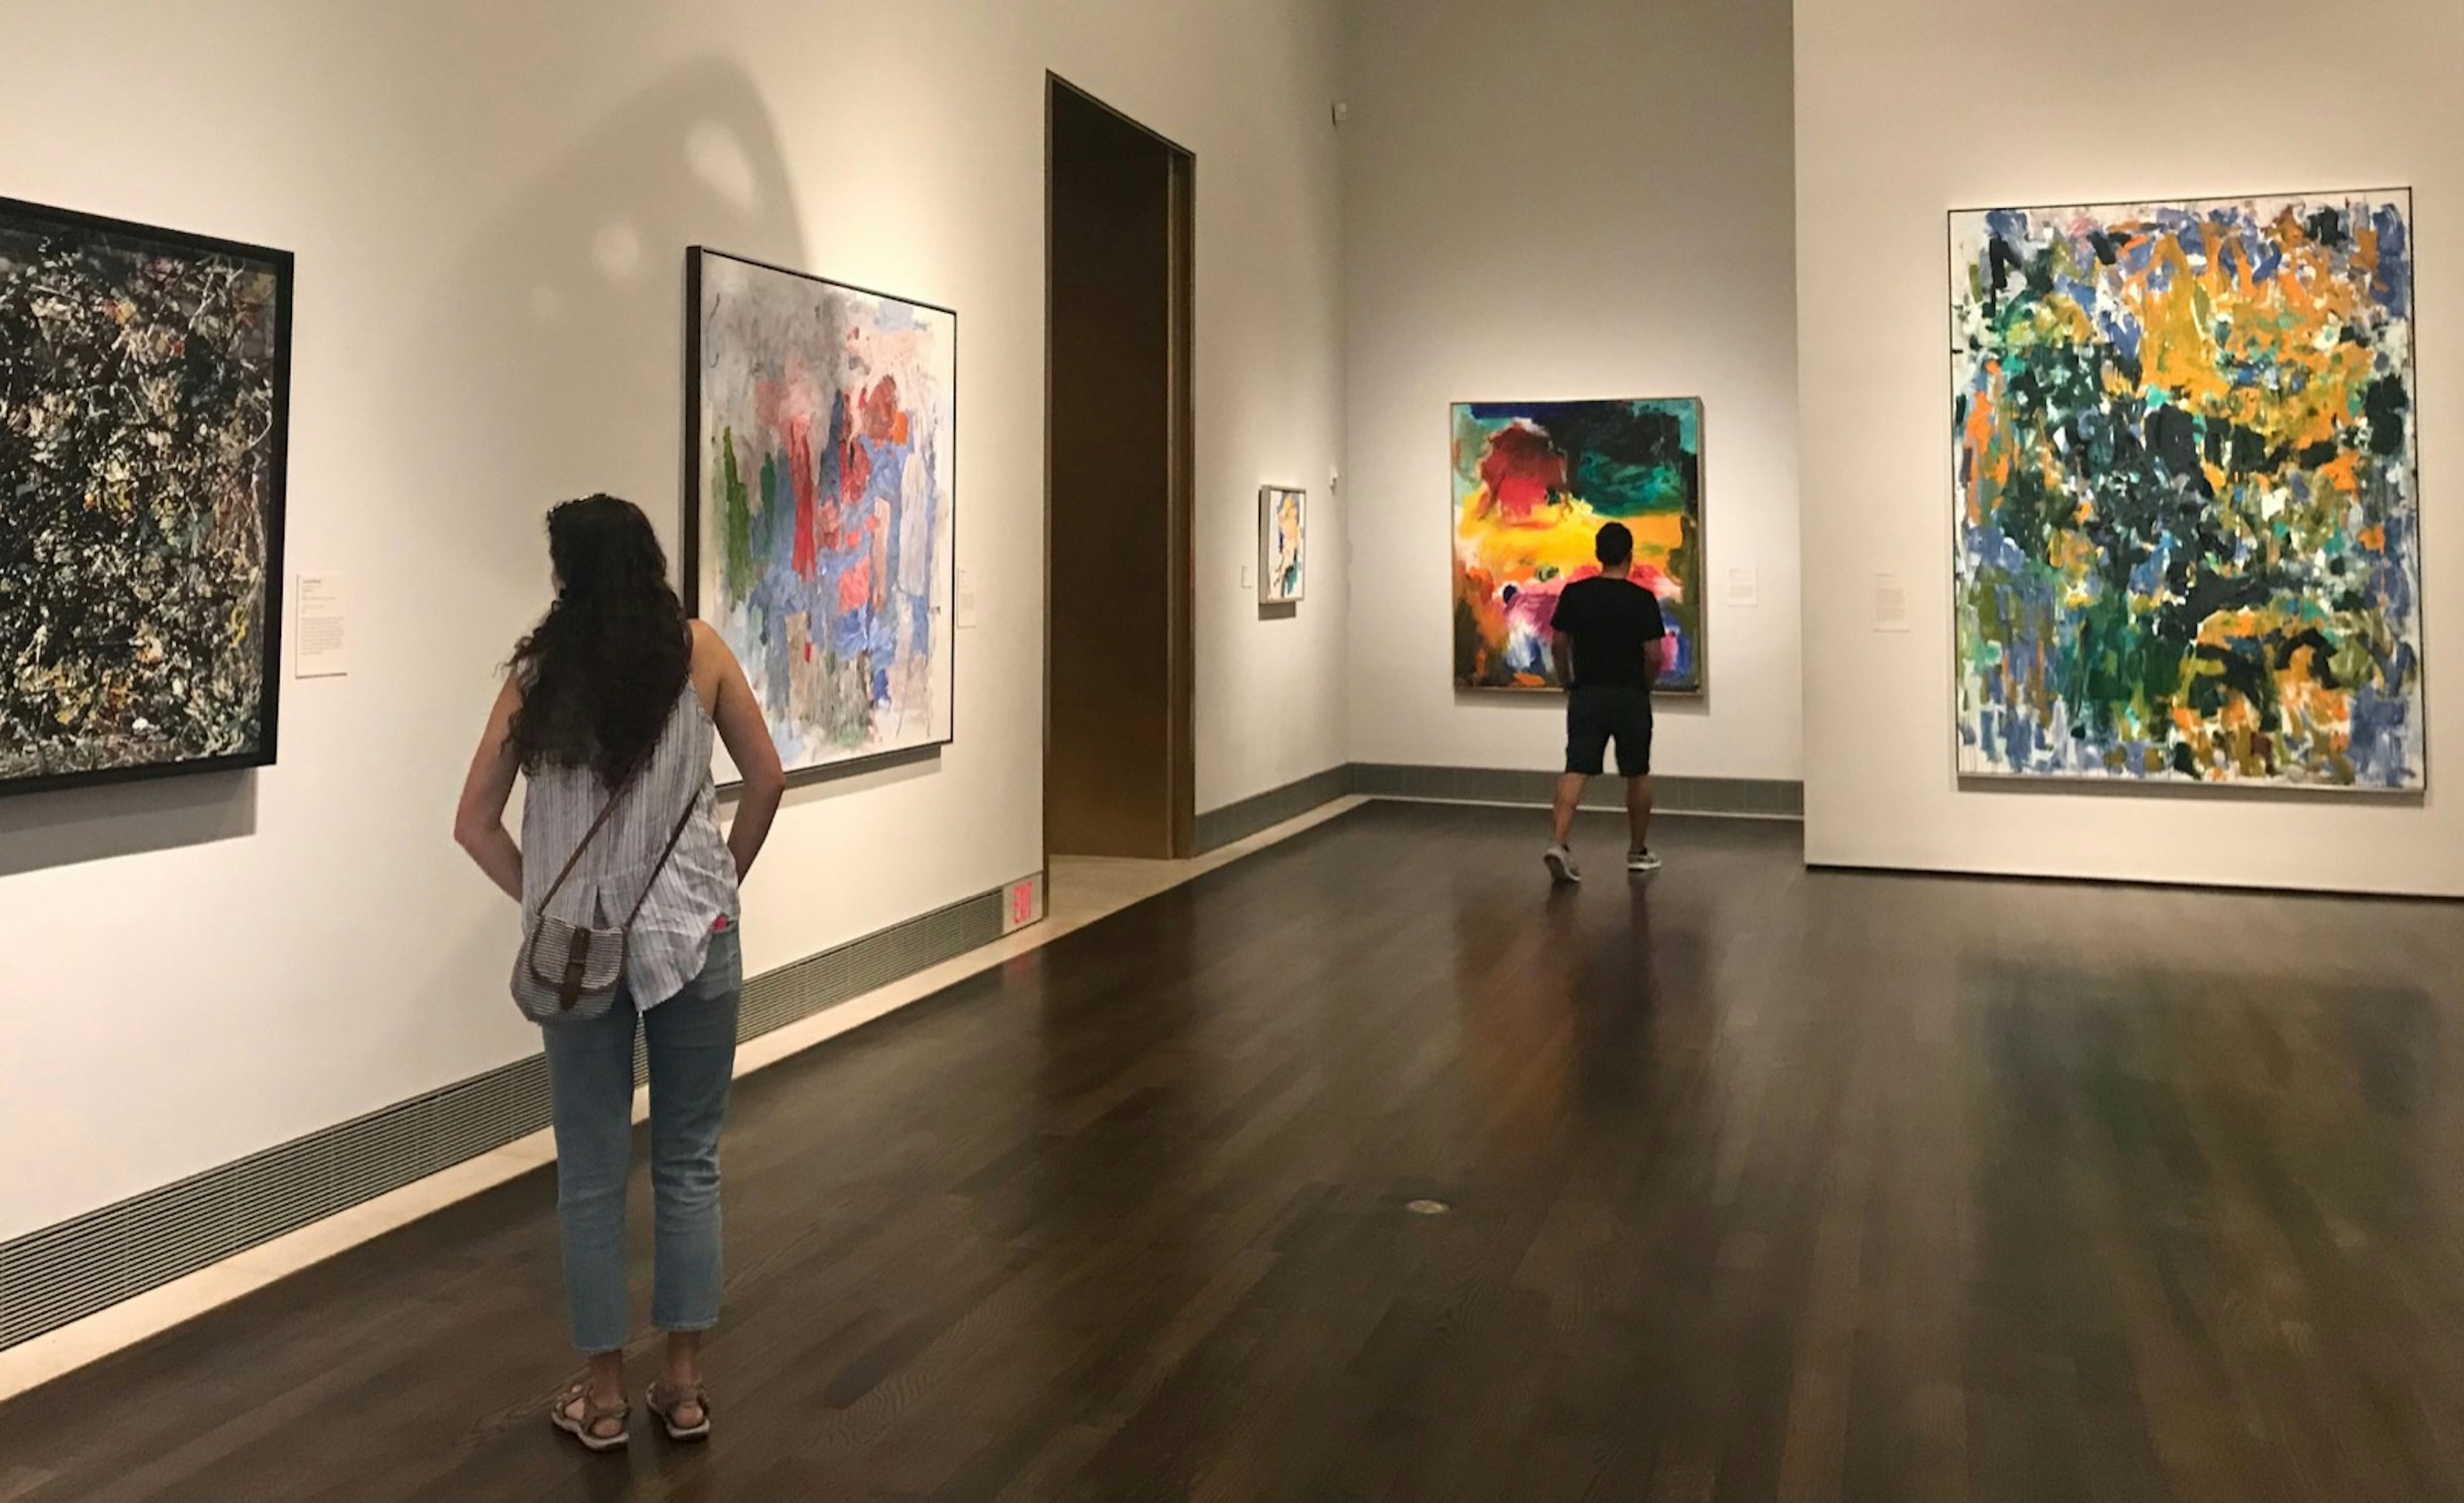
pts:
pixel 144 393
pixel 1533 484
pixel 2188 513
pixel 824 438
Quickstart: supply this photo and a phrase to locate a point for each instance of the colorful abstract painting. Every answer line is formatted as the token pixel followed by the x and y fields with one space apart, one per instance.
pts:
pixel 1534 483
pixel 825 425
pixel 1283 560
pixel 2189 518
pixel 144 392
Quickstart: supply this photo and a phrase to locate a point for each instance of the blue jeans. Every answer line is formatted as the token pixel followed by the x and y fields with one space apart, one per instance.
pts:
pixel 692 1042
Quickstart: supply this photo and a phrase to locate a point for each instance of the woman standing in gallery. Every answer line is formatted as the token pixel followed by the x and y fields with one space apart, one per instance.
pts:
pixel 610 708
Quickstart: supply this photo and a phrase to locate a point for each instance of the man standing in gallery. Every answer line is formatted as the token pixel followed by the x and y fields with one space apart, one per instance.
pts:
pixel 1606 637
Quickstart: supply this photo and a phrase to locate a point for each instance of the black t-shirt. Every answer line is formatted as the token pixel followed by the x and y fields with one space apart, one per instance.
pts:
pixel 1612 621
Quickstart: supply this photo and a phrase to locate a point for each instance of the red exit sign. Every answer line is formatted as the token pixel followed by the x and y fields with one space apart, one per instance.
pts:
pixel 1025 904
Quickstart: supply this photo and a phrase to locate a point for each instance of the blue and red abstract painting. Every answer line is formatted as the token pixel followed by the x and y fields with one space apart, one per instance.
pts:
pixel 826 425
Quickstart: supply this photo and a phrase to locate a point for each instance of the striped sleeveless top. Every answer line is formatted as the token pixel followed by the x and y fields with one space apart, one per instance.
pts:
pixel 697 888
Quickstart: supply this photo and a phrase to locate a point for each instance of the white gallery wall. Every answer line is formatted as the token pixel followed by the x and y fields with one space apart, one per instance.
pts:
pixel 1272 688
pixel 490 205
pixel 1907 109
pixel 1567 199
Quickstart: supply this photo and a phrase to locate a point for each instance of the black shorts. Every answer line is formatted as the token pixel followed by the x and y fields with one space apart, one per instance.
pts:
pixel 1598 717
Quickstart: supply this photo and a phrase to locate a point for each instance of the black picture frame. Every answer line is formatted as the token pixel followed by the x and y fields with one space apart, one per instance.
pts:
pixel 21 214
pixel 1699 692
pixel 689 530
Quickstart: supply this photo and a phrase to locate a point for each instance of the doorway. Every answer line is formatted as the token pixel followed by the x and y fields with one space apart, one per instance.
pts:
pixel 1119 757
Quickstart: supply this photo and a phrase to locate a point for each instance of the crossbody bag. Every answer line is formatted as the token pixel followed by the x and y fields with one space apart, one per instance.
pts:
pixel 569 972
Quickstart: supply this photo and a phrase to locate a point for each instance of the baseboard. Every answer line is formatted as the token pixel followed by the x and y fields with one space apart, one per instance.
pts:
pixel 1755 798
pixel 1741 798
pixel 62 1274
pixel 1235 822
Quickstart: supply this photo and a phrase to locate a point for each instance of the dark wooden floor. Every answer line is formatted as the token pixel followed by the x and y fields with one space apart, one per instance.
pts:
pixel 1764 1185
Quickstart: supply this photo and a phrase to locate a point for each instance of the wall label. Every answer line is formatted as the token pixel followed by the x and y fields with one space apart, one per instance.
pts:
pixel 325 626
pixel 1890 602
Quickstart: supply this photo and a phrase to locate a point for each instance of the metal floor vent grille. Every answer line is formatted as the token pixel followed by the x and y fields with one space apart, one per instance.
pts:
pixel 816 983
pixel 65 1272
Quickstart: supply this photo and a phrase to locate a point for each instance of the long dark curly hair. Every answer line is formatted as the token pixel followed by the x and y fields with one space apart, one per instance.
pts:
pixel 601 673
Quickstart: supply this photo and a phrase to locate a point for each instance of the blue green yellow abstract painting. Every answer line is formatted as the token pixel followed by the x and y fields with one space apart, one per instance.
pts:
pixel 2189 518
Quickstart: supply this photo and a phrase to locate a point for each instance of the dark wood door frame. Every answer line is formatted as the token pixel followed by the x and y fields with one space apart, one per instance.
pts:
pixel 1181 746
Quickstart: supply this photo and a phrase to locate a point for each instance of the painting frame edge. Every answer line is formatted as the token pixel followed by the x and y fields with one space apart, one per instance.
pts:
pixel 1265 551
pixel 2124 784
pixel 688 535
pixel 284 265
pixel 1699 693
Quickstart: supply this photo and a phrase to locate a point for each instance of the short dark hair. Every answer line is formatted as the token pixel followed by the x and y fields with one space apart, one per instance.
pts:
pixel 1615 545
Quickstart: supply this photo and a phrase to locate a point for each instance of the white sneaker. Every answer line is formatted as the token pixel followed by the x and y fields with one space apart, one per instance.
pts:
pixel 1642 863
pixel 1561 866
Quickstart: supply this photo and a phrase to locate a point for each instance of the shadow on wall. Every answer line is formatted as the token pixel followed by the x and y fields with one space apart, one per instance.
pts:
pixel 820 784
pixel 551 357
pixel 1523 701
pixel 557 342
pixel 548 362
pixel 76 826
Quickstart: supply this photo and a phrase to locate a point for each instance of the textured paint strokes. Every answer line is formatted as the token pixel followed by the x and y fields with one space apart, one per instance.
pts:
pixel 2188 508
pixel 826 417
pixel 139 498
pixel 1533 483
pixel 1282 564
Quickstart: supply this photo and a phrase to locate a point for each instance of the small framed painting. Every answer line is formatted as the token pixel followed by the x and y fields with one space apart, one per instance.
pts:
pixel 1283 546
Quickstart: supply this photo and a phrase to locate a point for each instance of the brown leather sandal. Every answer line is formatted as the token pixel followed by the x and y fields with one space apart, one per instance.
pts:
pixel 588 1426
pixel 664 1400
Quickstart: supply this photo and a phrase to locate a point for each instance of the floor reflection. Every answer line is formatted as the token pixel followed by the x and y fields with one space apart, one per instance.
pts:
pixel 1759 1183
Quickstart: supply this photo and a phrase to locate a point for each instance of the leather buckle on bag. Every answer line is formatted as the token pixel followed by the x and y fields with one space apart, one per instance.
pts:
pixel 576 968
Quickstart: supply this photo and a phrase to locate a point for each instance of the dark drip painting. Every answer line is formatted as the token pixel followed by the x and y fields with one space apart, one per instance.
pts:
pixel 144 386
